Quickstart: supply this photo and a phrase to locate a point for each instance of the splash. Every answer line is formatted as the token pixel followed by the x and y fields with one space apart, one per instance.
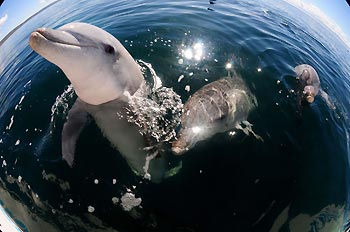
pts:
pixel 129 201
pixel 63 103
pixel 157 111
pixel 157 114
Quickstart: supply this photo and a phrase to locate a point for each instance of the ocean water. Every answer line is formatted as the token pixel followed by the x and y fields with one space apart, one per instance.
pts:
pixel 296 180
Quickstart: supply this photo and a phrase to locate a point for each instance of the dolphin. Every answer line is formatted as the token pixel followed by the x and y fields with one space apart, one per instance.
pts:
pixel 217 107
pixel 309 83
pixel 104 76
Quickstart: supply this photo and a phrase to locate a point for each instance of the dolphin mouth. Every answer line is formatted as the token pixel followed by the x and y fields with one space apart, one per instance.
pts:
pixel 58 37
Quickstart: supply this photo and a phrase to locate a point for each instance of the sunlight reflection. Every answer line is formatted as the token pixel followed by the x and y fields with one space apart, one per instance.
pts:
pixel 196 129
pixel 231 133
pixel 228 66
pixel 188 54
pixel 196 52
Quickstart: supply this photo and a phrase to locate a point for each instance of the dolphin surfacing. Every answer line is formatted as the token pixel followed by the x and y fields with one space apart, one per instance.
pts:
pixel 217 107
pixel 310 86
pixel 104 76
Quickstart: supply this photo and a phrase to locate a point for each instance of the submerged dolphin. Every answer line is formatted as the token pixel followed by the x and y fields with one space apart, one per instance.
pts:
pixel 217 107
pixel 104 76
pixel 310 85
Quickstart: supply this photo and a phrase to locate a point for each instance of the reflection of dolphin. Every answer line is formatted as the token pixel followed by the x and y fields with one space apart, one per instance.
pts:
pixel 216 107
pixel 310 84
pixel 104 76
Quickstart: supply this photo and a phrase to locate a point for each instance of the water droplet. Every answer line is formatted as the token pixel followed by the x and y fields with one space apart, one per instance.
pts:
pixel 11 123
pixel 115 200
pixel 232 133
pixel 91 209
pixel 180 78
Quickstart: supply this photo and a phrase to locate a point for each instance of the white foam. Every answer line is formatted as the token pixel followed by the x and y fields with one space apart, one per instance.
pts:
pixel 129 201
pixel 11 123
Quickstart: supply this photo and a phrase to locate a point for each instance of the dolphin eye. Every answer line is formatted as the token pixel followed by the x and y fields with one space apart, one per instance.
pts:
pixel 109 49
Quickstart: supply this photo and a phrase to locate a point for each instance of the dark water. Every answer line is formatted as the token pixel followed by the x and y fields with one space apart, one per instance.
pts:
pixel 296 180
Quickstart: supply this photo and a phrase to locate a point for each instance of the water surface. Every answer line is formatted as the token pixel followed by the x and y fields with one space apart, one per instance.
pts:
pixel 296 180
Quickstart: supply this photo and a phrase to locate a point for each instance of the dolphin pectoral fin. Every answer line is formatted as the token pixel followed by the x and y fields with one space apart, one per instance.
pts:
pixel 325 96
pixel 77 118
pixel 247 129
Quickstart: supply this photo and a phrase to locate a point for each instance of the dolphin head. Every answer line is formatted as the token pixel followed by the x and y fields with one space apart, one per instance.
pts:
pixel 309 93
pixel 305 75
pixel 96 63
pixel 188 137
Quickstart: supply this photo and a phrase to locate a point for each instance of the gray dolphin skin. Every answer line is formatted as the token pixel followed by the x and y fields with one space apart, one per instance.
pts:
pixel 104 76
pixel 217 107
pixel 310 84
pixel 309 81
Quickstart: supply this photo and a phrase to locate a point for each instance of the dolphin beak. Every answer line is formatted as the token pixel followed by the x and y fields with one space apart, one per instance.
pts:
pixel 310 99
pixel 35 40
pixel 53 36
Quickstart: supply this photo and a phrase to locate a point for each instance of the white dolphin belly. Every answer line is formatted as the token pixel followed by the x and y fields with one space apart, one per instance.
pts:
pixel 126 137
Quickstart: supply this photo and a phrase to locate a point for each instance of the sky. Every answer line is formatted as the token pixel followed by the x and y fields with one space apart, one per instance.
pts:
pixel 14 12
pixel 333 13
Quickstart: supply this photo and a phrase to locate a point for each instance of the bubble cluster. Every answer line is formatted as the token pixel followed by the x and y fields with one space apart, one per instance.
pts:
pixel 157 114
pixel 62 105
pixel 129 201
